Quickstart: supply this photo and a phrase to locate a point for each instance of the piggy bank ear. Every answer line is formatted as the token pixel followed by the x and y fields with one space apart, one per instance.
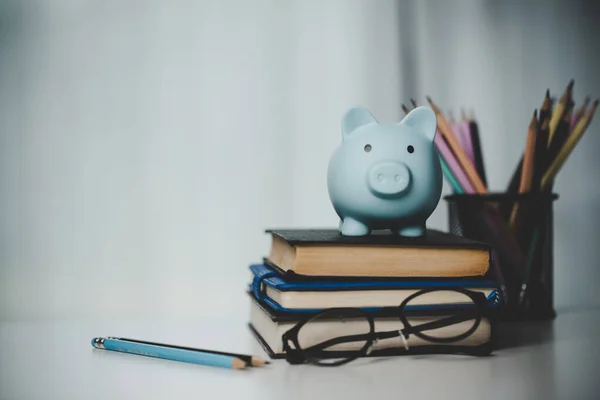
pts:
pixel 355 118
pixel 422 119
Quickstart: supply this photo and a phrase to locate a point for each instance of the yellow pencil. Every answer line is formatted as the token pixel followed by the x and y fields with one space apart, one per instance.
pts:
pixel 569 145
pixel 457 149
pixel 581 110
pixel 558 110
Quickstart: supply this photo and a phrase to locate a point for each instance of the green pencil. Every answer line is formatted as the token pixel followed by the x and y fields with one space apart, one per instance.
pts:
pixel 450 177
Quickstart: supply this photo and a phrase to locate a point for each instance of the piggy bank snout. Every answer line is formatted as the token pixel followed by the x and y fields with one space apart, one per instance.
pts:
pixel 389 179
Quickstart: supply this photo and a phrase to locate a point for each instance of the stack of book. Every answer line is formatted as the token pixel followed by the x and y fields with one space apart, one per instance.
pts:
pixel 308 271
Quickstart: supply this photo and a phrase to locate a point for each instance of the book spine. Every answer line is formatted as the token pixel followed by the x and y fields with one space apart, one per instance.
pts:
pixel 257 282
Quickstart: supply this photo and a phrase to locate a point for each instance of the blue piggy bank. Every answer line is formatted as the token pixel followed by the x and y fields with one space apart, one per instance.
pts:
pixel 385 176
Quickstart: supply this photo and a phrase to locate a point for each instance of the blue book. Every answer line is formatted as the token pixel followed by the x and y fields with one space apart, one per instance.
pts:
pixel 270 287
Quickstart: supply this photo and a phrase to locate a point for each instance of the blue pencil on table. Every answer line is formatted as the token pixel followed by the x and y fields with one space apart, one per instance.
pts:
pixel 250 360
pixel 169 353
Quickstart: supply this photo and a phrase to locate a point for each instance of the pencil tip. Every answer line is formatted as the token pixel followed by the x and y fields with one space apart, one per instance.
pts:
pixel 428 99
pixel 535 113
pixel 587 100
pixel 596 102
pixel 548 93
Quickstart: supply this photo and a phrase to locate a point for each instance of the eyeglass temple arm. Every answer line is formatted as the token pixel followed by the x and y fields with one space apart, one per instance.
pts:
pixel 454 319
pixel 339 340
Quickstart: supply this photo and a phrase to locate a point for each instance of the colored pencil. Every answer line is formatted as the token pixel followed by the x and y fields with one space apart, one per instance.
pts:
pixel 464 133
pixel 473 128
pixel 562 132
pixel 463 160
pixel 528 158
pixel 557 113
pixel 168 353
pixel 544 115
pixel 465 128
pixel 450 178
pixel 250 360
pixel 528 167
pixel 541 156
pixel 567 148
pixel 545 109
pixel 579 113
pixel 457 131
pixel 444 149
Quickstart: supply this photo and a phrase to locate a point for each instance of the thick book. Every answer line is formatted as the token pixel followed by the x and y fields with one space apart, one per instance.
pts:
pixel 269 325
pixel 269 286
pixel 326 252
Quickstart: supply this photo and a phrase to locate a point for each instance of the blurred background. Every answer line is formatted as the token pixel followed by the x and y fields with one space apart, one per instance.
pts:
pixel 145 146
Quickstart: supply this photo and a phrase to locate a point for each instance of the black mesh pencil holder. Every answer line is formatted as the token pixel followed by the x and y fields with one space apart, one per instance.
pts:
pixel 519 228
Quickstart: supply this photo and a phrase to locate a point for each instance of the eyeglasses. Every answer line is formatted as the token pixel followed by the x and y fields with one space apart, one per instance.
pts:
pixel 336 336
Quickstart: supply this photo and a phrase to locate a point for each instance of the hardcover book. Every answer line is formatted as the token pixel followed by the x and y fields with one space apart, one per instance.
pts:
pixel 269 286
pixel 325 252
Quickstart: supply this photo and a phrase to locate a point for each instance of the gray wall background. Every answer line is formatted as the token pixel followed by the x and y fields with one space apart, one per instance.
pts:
pixel 145 146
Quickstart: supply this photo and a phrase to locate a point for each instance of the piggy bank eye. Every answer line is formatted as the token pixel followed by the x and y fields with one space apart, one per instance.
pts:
pixel 368 148
pixel 410 149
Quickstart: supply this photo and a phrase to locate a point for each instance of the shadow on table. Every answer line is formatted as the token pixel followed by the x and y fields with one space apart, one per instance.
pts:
pixel 520 334
pixel 531 333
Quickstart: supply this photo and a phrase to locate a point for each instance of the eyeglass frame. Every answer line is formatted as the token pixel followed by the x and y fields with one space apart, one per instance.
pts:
pixel 297 355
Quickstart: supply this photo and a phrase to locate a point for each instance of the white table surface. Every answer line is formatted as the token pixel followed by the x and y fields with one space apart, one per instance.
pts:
pixel 54 360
